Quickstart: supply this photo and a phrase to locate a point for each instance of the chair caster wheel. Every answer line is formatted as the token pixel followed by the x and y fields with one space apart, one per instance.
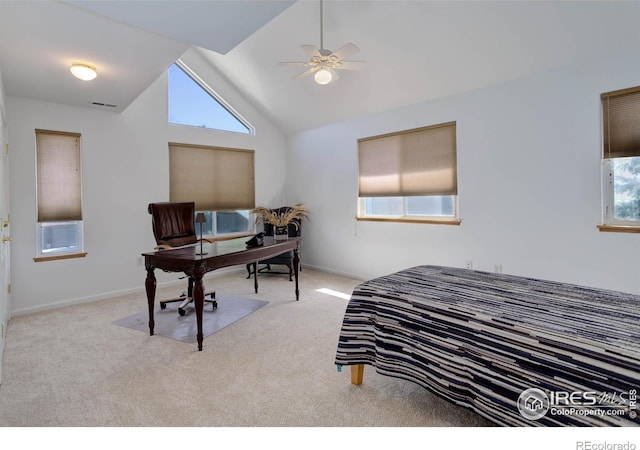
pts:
pixel 214 305
pixel 181 311
pixel 163 306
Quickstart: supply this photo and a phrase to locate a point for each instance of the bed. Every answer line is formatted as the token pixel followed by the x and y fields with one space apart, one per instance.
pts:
pixel 518 351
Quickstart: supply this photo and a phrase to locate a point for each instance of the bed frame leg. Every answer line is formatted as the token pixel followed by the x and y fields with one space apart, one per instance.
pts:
pixel 357 373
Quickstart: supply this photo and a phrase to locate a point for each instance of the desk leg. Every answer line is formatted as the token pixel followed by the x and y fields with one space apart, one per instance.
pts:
pixel 296 264
pixel 198 301
pixel 150 285
pixel 255 276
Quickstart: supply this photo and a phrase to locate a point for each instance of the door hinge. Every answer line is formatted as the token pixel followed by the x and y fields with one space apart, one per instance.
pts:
pixel 9 288
pixel 6 148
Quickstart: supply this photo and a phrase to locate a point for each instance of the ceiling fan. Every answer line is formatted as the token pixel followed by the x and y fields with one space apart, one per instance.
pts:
pixel 324 63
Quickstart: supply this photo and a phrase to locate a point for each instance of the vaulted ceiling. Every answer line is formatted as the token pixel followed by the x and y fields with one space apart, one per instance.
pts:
pixel 414 50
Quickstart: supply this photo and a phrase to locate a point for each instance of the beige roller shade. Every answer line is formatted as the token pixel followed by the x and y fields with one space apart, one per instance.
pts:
pixel 409 163
pixel 621 123
pixel 215 178
pixel 59 176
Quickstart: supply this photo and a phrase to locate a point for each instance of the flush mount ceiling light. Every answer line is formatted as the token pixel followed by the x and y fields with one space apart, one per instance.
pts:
pixel 83 71
pixel 324 63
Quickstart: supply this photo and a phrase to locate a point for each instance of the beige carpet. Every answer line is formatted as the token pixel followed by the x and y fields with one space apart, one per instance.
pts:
pixel 273 368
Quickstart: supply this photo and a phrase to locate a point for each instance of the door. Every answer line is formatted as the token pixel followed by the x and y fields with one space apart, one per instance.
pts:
pixel 5 269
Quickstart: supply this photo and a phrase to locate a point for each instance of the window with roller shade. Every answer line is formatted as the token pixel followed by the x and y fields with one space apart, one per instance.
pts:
pixel 59 228
pixel 219 180
pixel 621 159
pixel 409 175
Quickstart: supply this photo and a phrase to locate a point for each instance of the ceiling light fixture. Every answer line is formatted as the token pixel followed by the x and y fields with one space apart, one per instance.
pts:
pixel 83 71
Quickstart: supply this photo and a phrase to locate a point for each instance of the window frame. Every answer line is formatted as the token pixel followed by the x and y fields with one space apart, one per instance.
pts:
pixel 187 161
pixel 362 213
pixel 41 253
pixel 610 223
pixel 406 217
pixel 60 254
pixel 214 96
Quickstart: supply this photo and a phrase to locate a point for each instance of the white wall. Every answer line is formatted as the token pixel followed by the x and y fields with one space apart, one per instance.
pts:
pixel 5 249
pixel 125 167
pixel 529 185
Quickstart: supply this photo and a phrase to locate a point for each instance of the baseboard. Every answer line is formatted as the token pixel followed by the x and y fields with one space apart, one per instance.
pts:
pixel 337 272
pixel 111 294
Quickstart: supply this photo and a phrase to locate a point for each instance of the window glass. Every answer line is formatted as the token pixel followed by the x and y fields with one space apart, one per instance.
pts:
pixel 433 206
pixel 625 180
pixel 383 206
pixel 225 222
pixel 60 237
pixel 233 221
pixel 191 103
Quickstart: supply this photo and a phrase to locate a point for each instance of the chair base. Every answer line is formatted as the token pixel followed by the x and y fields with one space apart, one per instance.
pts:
pixel 185 300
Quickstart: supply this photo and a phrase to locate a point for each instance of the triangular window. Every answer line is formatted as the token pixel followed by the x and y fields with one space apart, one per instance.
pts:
pixel 193 103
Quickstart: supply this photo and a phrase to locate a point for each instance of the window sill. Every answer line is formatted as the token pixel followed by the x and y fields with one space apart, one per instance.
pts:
pixel 620 228
pixel 56 257
pixel 410 220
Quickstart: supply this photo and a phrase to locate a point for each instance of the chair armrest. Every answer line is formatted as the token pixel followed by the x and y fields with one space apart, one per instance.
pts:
pixel 162 247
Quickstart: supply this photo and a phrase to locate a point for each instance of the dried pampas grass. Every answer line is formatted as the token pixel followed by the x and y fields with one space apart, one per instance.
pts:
pixel 271 216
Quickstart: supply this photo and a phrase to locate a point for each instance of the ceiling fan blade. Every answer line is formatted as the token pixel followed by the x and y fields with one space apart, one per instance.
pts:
pixel 352 65
pixel 311 50
pixel 306 73
pixel 334 74
pixel 294 63
pixel 345 51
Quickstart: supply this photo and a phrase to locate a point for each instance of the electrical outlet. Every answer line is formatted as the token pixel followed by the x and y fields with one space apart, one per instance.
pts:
pixel 468 264
pixel 497 268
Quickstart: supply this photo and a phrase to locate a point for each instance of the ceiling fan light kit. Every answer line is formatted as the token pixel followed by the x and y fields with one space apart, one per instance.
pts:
pixel 323 76
pixel 324 63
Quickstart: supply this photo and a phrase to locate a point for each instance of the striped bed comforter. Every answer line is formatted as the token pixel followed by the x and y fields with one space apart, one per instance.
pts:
pixel 519 351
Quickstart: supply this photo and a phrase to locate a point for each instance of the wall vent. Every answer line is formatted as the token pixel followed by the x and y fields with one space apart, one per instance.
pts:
pixel 103 104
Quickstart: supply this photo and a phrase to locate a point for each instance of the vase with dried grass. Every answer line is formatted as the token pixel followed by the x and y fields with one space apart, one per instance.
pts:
pixel 281 218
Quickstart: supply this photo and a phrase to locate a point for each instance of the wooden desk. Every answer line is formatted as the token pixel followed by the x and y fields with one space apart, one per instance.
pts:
pixel 218 254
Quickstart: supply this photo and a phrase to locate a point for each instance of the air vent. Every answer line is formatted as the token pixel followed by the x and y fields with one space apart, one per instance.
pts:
pixel 107 105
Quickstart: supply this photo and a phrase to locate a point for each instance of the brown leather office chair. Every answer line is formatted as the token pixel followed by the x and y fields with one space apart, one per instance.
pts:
pixel 294 229
pixel 173 225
